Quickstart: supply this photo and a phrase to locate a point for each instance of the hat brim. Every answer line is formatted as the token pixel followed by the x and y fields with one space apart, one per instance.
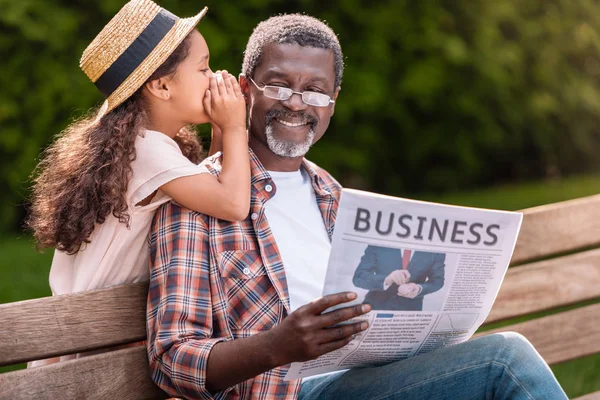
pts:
pixel 180 30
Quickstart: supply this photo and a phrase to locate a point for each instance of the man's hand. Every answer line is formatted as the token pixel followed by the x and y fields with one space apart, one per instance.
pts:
pixel 409 290
pixel 399 277
pixel 308 333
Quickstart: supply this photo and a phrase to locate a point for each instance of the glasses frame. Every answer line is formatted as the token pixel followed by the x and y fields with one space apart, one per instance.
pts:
pixel 292 92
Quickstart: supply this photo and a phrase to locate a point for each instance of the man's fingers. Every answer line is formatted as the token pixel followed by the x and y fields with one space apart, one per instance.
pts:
pixel 408 290
pixel 331 346
pixel 403 279
pixel 342 314
pixel 397 277
pixel 406 275
pixel 343 331
pixel 323 303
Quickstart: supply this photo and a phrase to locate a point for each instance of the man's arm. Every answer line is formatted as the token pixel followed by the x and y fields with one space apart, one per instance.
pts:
pixel 304 335
pixel 435 278
pixel 368 274
pixel 185 357
pixel 180 315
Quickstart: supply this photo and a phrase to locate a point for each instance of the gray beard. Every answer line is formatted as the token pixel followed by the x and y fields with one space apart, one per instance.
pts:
pixel 285 148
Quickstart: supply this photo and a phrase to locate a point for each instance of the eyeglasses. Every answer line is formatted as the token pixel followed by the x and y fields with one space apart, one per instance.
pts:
pixel 283 93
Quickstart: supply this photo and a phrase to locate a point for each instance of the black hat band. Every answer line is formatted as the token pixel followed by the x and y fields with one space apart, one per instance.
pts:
pixel 136 53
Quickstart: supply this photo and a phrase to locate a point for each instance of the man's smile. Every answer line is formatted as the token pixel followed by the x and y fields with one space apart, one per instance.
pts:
pixel 291 123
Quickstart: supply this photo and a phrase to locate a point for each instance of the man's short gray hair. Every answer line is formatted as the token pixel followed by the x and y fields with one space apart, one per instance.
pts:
pixel 292 29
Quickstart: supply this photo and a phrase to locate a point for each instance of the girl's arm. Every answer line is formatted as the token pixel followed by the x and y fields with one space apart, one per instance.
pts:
pixel 216 142
pixel 228 195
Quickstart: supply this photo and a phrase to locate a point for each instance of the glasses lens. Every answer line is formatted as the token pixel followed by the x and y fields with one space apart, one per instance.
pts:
pixel 277 93
pixel 316 99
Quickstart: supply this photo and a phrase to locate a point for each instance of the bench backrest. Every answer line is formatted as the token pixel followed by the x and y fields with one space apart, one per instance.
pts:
pixel 555 264
pixel 68 324
pixel 561 235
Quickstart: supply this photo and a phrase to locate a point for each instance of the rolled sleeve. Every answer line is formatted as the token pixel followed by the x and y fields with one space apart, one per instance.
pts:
pixel 180 312
pixel 186 364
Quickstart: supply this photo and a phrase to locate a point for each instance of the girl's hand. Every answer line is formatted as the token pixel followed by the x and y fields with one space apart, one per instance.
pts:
pixel 224 102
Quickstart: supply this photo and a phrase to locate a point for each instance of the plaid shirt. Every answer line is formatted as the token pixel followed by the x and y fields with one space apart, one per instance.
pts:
pixel 213 281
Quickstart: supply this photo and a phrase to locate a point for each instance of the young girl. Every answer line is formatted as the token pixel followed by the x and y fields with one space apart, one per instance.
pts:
pixel 100 183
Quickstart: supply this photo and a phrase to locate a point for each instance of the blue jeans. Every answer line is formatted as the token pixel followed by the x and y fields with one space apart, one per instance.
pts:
pixel 499 366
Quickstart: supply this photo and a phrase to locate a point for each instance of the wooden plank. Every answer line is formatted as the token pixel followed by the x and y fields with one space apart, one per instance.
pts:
pixel 558 228
pixel 548 284
pixel 122 374
pixel 591 396
pixel 561 337
pixel 51 326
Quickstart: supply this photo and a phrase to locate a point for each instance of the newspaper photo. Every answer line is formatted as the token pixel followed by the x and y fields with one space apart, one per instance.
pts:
pixel 430 272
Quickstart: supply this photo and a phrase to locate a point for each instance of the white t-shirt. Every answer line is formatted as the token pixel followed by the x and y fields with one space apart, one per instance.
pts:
pixel 300 234
pixel 116 254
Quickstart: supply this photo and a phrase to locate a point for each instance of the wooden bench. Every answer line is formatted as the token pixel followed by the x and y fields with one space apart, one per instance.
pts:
pixel 562 235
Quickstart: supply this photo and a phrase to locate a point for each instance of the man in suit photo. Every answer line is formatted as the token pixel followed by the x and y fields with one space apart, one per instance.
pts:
pixel 398 279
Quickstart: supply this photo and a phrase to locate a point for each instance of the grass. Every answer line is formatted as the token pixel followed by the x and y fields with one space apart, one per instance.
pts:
pixel 520 196
pixel 24 272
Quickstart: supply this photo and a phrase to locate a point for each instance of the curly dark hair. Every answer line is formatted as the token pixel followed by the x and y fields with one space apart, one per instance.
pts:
pixel 292 29
pixel 83 176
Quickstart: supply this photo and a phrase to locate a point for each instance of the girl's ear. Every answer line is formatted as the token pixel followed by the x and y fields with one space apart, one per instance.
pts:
pixel 159 88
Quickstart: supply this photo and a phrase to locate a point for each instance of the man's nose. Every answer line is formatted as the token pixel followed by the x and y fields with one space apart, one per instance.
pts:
pixel 295 103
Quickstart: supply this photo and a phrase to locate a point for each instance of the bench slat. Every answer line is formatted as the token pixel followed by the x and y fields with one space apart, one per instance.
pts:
pixel 561 337
pixel 121 374
pixel 548 284
pixel 51 326
pixel 558 228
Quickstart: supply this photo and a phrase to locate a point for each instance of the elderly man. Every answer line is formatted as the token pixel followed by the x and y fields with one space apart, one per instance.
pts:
pixel 231 304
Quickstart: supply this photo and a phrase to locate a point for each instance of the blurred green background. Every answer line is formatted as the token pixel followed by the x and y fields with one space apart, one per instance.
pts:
pixel 474 102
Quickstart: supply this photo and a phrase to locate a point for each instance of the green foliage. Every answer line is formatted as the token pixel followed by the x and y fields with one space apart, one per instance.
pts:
pixel 523 195
pixel 437 94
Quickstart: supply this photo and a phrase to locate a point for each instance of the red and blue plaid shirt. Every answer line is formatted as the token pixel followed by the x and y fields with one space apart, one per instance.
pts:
pixel 213 280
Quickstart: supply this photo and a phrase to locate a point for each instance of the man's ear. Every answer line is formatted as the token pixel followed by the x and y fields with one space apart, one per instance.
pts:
pixel 159 88
pixel 334 97
pixel 244 86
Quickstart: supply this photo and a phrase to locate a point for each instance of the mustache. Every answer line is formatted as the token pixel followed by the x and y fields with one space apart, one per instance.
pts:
pixel 284 114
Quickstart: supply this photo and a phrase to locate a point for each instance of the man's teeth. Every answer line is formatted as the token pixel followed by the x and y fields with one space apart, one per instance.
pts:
pixel 292 124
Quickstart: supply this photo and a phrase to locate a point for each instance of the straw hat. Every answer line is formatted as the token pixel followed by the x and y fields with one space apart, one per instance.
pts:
pixel 133 44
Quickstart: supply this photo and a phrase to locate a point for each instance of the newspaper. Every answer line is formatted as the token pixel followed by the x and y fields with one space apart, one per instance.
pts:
pixel 431 273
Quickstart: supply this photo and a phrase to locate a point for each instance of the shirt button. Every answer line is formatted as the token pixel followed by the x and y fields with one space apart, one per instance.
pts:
pixel 269 188
pixel 254 216
pixel 247 271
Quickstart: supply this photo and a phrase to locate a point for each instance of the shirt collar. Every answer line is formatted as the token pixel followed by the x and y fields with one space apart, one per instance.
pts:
pixel 259 173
